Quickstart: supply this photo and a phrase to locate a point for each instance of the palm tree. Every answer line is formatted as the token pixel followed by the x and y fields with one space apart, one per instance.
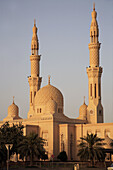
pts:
pixel 31 146
pixel 91 148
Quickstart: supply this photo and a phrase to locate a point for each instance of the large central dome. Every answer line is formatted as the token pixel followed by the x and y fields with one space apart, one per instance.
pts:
pixel 43 97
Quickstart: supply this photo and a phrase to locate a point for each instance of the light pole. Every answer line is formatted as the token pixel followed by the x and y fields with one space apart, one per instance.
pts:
pixel 8 147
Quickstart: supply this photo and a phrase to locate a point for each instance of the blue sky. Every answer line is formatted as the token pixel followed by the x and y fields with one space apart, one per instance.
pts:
pixel 63 31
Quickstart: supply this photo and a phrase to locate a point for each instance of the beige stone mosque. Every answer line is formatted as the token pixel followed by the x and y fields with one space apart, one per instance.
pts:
pixel 46 106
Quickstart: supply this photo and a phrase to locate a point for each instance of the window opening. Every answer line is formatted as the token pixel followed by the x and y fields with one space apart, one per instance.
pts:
pixel 99 89
pixel 95 90
pixel 90 89
pixel 71 146
pixel 31 96
pixel 34 93
pixel 62 143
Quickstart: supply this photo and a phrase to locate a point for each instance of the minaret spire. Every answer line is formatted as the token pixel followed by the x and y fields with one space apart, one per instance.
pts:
pixel 84 99
pixel 94 109
pixel 94 45
pixel 34 22
pixel 49 79
pixel 35 79
pixel 34 42
pixel 13 99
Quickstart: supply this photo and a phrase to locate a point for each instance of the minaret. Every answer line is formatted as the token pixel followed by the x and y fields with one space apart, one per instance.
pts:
pixel 35 79
pixel 94 71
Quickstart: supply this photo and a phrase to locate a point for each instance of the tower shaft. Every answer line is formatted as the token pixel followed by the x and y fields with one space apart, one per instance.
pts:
pixel 35 79
pixel 94 72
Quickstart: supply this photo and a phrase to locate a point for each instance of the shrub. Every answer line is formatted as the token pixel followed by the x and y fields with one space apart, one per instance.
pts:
pixel 62 156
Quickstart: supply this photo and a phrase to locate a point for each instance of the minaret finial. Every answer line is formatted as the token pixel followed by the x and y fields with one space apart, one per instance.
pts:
pixel 34 22
pixel 49 79
pixel 84 99
pixel 13 99
pixel 94 6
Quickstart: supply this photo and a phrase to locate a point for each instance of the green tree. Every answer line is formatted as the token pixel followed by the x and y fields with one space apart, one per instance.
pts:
pixel 91 148
pixel 31 146
pixel 3 154
pixel 9 135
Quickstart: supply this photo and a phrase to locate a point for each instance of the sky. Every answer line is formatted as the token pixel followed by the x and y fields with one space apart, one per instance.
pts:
pixel 64 35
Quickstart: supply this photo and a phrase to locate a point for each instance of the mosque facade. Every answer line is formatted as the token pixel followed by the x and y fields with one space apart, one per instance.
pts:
pixel 46 106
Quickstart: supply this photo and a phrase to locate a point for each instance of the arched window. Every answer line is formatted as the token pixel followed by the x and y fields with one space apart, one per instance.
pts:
pixel 39 110
pixel 91 37
pixel 31 96
pixel 34 93
pixel 95 90
pixel 62 142
pixel 99 90
pixel 94 36
pixel 71 147
pixel 90 89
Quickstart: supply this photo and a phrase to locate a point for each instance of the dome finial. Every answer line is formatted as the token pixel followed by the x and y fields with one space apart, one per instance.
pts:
pixel 34 22
pixel 13 99
pixel 84 99
pixel 94 6
pixel 49 79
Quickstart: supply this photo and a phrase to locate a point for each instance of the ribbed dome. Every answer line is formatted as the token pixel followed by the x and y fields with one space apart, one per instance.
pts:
pixel 45 94
pixel 13 110
pixel 83 110
pixel 51 106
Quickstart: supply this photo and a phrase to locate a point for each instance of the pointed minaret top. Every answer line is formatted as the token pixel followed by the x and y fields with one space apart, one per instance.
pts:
pixel 34 28
pixel 94 31
pixel 34 42
pixel 49 79
pixel 94 14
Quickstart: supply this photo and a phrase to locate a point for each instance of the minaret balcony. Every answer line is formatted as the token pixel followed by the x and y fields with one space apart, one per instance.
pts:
pixel 35 57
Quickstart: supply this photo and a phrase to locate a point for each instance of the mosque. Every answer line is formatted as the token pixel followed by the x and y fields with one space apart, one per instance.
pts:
pixel 46 106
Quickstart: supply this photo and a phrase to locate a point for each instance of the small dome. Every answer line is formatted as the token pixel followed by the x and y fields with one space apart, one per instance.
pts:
pixel 13 110
pixel 45 94
pixel 51 106
pixel 83 110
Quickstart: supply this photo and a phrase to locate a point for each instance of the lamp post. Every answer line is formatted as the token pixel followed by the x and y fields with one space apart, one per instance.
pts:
pixel 8 147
